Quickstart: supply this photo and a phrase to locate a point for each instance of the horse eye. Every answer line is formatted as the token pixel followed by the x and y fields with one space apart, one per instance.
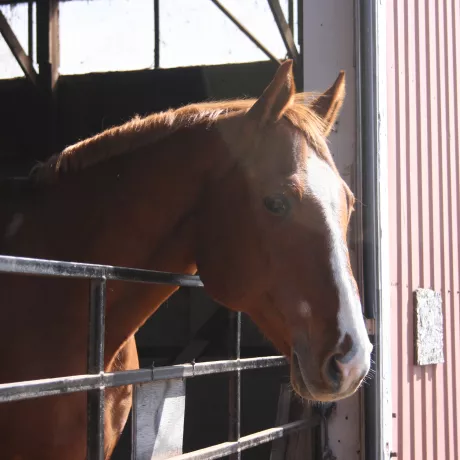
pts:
pixel 277 204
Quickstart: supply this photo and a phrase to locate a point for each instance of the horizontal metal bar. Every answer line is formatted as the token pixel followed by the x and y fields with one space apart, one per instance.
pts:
pixel 246 442
pixel 61 385
pixel 26 266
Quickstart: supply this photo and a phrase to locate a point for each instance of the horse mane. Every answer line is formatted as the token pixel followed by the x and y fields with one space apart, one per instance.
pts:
pixel 141 131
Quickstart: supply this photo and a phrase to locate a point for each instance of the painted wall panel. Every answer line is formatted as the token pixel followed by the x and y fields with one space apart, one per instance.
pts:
pixel 329 46
pixel 423 141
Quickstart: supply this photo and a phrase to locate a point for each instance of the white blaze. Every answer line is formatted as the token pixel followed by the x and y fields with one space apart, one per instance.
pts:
pixel 325 186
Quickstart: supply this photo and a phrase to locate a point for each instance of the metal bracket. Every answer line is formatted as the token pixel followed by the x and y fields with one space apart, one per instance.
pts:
pixel 325 411
pixel 370 325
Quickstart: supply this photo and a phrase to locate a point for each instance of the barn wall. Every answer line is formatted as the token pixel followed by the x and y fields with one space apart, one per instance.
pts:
pixel 423 150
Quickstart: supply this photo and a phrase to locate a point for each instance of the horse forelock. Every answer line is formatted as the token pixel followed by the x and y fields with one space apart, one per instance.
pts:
pixel 141 131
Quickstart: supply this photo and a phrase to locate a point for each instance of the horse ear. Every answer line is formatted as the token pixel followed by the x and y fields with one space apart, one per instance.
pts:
pixel 276 97
pixel 327 106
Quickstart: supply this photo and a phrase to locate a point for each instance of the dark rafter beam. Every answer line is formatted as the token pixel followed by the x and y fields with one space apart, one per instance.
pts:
pixel 23 60
pixel 245 31
pixel 291 14
pixel 30 28
pixel 156 25
pixel 48 66
pixel 285 30
pixel 48 42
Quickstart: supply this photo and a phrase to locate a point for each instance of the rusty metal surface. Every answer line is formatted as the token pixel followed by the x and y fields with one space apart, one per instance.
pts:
pixel 423 140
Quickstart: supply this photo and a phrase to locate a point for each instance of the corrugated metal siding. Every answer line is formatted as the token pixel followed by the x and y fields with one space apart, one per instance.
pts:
pixel 423 46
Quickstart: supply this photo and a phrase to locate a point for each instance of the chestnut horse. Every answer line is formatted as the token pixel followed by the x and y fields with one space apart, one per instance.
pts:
pixel 246 192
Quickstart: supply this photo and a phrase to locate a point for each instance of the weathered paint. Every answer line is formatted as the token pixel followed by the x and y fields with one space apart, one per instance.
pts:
pixel 423 46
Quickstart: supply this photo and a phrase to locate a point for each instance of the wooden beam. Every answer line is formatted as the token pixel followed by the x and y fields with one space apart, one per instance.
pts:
pixel 285 30
pixel 158 419
pixel 20 55
pixel 48 42
pixel 48 64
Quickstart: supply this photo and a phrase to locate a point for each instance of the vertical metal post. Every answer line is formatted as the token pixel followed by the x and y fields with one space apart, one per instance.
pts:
pixel 30 29
pixel 234 394
pixel 299 71
pixel 95 398
pixel 291 14
pixel 47 14
pixel 156 25
pixel 48 43
pixel 372 130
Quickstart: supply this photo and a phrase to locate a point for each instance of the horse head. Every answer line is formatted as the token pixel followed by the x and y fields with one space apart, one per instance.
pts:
pixel 273 228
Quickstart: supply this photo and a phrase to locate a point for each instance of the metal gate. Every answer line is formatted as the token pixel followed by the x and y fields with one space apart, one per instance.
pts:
pixel 96 380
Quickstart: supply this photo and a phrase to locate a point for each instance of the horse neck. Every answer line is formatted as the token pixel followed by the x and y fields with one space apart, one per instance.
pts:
pixel 136 210
pixel 156 228
pixel 121 210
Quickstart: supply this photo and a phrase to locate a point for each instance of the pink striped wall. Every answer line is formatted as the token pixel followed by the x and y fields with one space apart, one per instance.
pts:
pixel 423 55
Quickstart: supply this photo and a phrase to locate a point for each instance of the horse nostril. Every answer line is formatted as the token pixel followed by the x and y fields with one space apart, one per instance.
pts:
pixel 332 371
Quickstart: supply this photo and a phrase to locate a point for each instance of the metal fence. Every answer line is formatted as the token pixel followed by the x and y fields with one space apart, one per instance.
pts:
pixel 96 380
